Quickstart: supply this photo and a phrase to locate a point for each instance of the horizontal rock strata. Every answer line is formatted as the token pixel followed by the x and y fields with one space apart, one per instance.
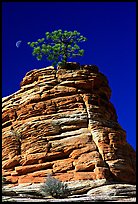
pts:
pixel 90 190
pixel 63 123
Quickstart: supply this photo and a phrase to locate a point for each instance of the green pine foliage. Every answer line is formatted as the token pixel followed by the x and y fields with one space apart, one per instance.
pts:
pixel 55 188
pixel 58 46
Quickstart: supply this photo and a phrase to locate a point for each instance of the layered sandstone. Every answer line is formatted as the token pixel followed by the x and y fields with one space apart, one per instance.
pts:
pixel 80 191
pixel 63 123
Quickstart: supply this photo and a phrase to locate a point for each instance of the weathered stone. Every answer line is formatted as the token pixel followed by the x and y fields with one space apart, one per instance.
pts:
pixel 113 190
pixel 81 191
pixel 63 165
pixel 84 175
pixel 82 186
pixel 88 161
pixel 11 162
pixel 32 168
pixel 77 152
pixel 31 178
pixel 12 179
pixel 94 68
pixel 102 172
pixel 65 176
pixel 63 122
pixel 70 65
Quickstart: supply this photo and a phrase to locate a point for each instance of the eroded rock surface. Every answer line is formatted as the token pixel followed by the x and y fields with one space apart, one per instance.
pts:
pixel 90 190
pixel 63 123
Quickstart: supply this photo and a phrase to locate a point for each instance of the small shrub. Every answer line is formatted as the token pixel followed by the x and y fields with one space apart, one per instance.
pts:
pixel 55 188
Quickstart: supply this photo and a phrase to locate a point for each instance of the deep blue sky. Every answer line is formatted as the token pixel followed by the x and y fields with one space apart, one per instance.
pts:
pixel 110 28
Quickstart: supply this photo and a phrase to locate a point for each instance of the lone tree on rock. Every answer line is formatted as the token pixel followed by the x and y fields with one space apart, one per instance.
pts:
pixel 58 46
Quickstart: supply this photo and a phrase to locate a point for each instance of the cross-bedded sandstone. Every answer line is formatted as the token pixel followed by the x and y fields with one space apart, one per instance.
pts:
pixel 63 122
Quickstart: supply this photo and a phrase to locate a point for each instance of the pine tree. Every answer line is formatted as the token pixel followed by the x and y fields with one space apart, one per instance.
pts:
pixel 58 46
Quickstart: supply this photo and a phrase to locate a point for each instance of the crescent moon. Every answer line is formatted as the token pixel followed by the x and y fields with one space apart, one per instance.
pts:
pixel 18 43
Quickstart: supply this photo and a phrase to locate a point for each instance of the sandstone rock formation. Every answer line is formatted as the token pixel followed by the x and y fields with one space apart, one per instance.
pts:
pixel 63 123
pixel 80 191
